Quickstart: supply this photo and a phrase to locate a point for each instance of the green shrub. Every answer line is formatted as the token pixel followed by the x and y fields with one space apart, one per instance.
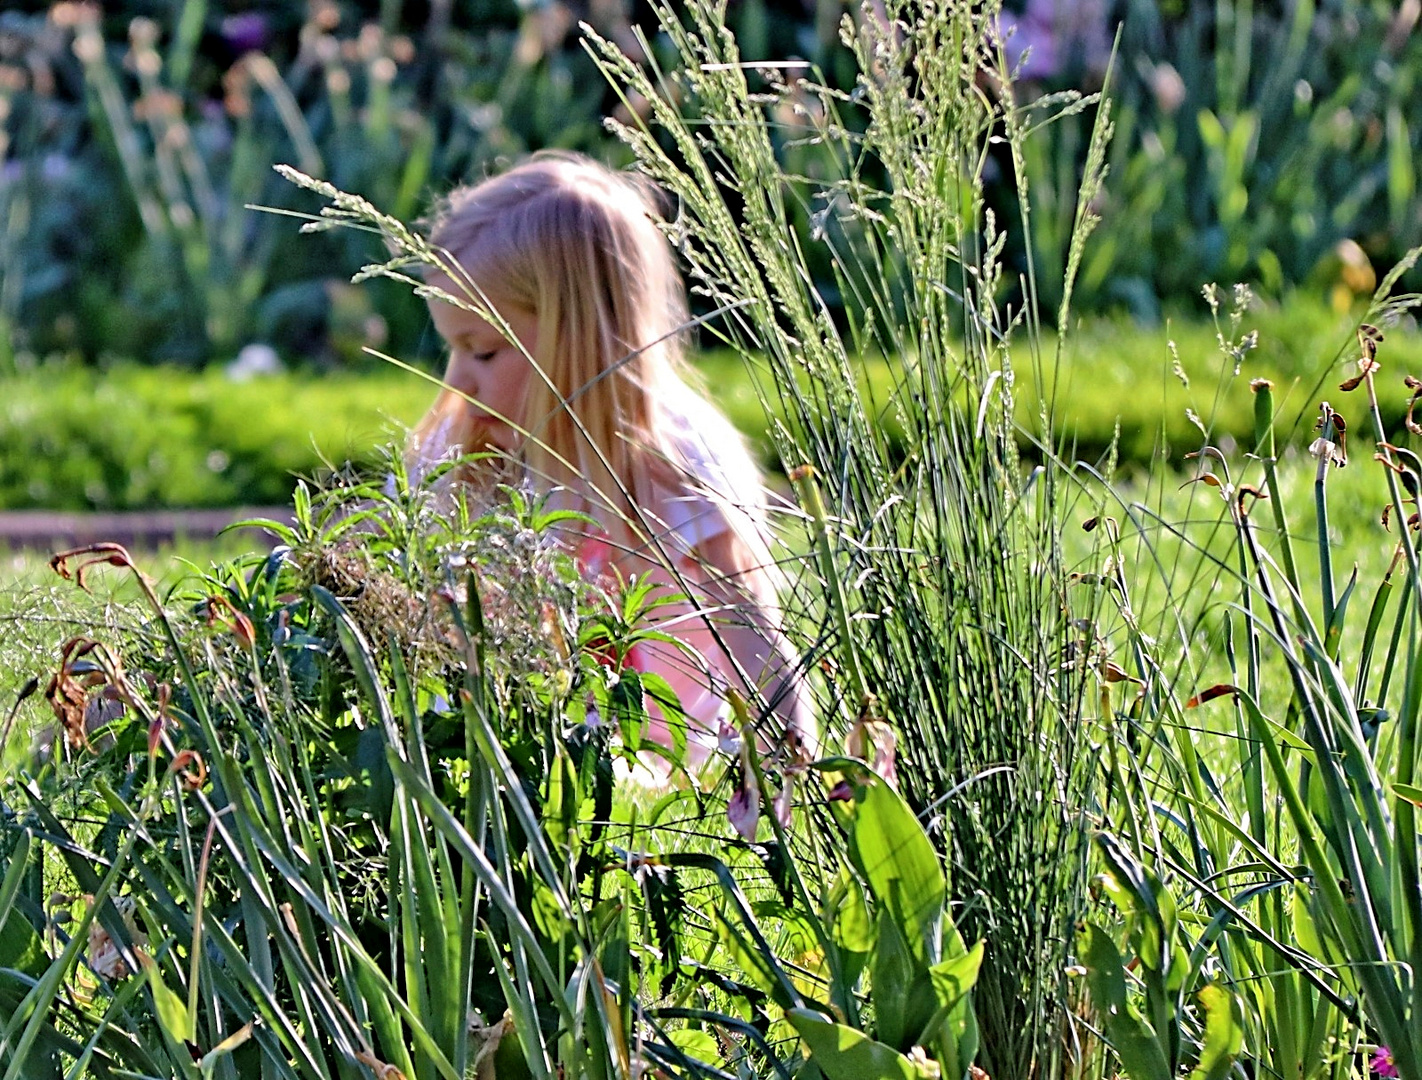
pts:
pixel 139 438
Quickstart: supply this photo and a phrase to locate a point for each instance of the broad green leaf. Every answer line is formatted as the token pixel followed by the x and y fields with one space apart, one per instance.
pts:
pixel 952 979
pixel 695 1043
pixel 1136 890
pixel 954 1019
pixel 848 916
pixel 173 1015
pixel 1134 1041
pixel 893 973
pixel 845 1054
pixel 1224 1033
pixel 20 946
pixel 900 865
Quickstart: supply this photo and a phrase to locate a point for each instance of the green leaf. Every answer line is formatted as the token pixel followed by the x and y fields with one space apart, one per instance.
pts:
pixel 560 810
pixel 695 1043
pixel 1134 1041
pixel 848 916
pixel 1333 635
pixel 953 979
pixel 899 863
pixel 1410 792
pixel 1224 1032
pixel 173 1015
pixel 893 973
pixel 845 1054
pixel 954 1019
pixel 20 946
pixel 1135 889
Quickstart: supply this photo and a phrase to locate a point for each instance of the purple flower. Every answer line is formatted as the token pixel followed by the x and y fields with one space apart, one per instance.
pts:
pixel 246 32
pixel 1382 1063
pixel 1051 33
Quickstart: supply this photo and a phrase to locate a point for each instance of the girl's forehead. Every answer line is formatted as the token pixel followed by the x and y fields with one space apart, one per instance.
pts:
pixel 446 310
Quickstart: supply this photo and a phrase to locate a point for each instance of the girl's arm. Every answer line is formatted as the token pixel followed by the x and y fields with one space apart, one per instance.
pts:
pixel 739 639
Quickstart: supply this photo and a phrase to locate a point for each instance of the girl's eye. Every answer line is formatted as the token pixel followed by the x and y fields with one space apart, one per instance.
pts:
pixel 483 357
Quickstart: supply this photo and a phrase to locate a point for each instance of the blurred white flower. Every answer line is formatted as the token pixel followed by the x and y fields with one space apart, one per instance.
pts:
pixel 253 360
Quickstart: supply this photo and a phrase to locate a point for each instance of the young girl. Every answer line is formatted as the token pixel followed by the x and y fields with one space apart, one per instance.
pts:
pixel 575 376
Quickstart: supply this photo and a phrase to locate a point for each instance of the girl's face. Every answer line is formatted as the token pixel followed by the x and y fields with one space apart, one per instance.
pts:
pixel 484 366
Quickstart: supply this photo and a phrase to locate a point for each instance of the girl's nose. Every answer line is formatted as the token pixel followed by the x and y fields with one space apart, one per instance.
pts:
pixel 461 378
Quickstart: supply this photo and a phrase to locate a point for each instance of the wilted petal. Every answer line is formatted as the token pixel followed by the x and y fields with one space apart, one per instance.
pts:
pixel 781 806
pixel 104 956
pixel 743 811
pixel 874 742
pixel 728 737
pixel 1327 450
pixel 885 763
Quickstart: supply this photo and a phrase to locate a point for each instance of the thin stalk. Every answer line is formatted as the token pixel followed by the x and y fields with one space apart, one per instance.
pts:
pixel 1320 503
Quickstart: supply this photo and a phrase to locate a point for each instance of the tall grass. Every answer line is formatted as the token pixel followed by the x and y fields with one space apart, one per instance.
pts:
pixel 348 806
pixel 1264 766
pixel 938 594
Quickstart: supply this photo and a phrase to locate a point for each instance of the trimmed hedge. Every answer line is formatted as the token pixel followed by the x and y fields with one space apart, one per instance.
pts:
pixel 139 438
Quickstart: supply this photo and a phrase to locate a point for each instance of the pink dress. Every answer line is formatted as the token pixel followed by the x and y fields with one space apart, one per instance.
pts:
pixel 682 520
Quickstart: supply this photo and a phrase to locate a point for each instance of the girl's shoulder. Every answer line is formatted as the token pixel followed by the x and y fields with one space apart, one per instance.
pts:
pixel 706 475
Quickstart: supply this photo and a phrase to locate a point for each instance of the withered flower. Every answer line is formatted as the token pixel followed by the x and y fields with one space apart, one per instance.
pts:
pixel 1218 690
pixel 1415 385
pixel 1252 492
pixel 68 696
pixel 1331 446
pixel 873 741
pixel 104 956
pixel 100 555
pixel 194 777
pixel 1369 337
pixel 221 612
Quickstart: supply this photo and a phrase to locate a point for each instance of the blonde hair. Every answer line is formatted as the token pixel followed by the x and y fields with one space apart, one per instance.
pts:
pixel 578 246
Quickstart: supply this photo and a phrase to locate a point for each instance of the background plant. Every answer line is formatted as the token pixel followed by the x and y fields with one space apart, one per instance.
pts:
pixel 1273 144
pixel 1263 763
pixel 135 136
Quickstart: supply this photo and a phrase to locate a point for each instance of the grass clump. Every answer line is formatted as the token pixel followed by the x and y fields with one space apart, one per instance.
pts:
pixel 1261 808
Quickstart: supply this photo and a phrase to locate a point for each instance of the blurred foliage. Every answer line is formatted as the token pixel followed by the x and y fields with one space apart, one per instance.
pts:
pixel 1273 143
pixel 137 437
pixel 135 138
pixel 1266 142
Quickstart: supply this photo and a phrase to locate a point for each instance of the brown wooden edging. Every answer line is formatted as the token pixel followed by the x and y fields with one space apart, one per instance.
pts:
pixel 50 530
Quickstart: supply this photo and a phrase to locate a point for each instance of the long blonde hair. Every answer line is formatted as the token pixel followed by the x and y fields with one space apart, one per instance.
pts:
pixel 578 246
